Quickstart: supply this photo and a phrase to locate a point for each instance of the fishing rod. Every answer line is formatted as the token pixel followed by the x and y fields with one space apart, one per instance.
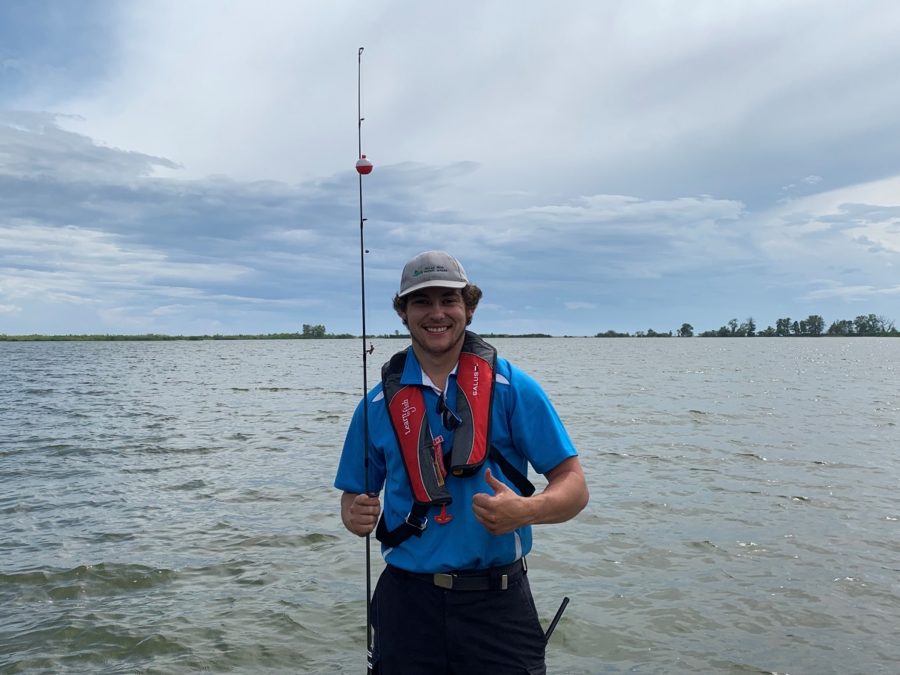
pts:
pixel 363 168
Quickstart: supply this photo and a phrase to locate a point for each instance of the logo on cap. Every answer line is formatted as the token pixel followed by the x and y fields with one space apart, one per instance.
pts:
pixel 429 270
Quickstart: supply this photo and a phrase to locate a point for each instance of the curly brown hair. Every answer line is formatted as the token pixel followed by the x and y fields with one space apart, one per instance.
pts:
pixel 471 295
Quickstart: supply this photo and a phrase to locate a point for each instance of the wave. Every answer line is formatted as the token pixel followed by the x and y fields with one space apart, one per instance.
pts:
pixel 99 579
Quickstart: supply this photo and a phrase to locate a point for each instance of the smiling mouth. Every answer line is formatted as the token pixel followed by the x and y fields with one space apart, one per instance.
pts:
pixel 437 329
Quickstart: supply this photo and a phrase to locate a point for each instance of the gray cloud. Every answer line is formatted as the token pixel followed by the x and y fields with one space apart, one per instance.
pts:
pixel 595 166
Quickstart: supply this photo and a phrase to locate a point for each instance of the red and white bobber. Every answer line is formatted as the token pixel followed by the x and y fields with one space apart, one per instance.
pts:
pixel 363 166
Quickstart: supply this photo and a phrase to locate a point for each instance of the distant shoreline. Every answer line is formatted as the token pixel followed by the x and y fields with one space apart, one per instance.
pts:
pixel 154 337
pixel 864 325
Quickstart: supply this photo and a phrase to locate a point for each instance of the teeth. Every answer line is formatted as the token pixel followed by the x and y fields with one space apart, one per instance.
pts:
pixel 440 329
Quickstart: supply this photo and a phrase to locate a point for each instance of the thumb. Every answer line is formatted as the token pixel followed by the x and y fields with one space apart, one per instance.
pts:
pixel 496 485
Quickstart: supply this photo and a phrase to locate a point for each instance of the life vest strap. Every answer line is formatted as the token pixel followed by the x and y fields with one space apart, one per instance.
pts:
pixel 417 520
pixel 414 525
pixel 524 486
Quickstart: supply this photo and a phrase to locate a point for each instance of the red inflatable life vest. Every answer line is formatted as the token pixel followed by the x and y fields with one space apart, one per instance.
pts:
pixel 423 457
pixel 406 404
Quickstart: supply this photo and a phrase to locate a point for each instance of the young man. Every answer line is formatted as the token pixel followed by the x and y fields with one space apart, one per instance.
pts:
pixel 452 428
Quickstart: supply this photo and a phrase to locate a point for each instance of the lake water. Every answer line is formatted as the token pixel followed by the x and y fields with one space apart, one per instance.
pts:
pixel 166 507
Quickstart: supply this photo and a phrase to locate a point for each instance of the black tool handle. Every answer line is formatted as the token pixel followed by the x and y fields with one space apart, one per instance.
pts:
pixel 552 626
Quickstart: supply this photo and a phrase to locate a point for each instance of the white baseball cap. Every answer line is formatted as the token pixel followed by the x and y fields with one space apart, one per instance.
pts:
pixel 432 268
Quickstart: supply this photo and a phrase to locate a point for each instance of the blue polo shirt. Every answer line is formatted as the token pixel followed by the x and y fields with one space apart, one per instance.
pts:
pixel 525 428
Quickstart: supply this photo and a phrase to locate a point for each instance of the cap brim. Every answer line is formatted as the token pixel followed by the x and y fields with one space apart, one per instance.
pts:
pixel 431 284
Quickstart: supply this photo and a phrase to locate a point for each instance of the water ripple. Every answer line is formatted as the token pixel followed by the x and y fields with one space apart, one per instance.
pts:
pixel 167 507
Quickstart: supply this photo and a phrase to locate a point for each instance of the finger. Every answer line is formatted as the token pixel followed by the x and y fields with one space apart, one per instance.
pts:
pixel 366 520
pixel 482 515
pixel 366 499
pixel 480 505
pixel 497 485
pixel 490 480
pixel 360 507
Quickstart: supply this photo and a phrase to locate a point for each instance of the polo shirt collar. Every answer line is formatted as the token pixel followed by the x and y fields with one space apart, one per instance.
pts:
pixel 413 373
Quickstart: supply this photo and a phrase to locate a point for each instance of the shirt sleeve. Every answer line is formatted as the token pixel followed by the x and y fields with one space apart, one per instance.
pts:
pixel 535 426
pixel 351 472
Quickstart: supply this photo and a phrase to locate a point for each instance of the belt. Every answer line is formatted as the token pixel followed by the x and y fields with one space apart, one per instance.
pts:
pixel 490 579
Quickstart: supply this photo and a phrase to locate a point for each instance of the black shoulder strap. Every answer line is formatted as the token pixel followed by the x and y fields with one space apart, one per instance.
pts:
pixel 391 372
pixel 525 486
pixel 413 526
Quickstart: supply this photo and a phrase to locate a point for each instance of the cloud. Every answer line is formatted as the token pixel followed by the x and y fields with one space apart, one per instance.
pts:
pixel 833 290
pixel 725 89
pixel 35 146
pixel 178 166
pixel 625 236
pixel 146 252
pixel 72 265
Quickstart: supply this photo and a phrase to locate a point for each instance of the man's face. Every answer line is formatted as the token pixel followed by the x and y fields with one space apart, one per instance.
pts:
pixel 437 318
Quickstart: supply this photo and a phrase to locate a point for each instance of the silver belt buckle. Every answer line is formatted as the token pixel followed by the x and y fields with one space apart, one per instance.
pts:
pixel 444 581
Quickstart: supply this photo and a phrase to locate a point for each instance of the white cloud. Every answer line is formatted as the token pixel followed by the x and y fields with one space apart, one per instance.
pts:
pixel 845 221
pixel 48 269
pixel 535 92
pixel 833 290
pixel 628 155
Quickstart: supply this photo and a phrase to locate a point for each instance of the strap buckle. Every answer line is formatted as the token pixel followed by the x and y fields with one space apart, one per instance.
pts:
pixel 416 521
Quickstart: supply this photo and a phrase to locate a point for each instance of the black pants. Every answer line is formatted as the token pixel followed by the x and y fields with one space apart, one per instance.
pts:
pixel 423 629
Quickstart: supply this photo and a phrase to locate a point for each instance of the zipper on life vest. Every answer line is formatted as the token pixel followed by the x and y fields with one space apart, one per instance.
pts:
pixel 438 444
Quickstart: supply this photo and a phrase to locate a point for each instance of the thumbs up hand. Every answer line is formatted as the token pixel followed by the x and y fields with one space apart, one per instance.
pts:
pixel 503 511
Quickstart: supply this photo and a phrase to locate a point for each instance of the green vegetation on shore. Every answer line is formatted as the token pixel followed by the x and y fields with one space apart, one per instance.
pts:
pixel 157 337
pixel 864 325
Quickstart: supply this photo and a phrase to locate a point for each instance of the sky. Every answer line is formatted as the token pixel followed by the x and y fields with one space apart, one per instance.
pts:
pixel 187 168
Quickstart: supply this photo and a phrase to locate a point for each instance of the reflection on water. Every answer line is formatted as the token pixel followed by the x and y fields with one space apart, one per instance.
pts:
pixel 168 506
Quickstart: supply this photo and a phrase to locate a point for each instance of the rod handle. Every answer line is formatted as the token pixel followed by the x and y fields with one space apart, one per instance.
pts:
pixel 556 618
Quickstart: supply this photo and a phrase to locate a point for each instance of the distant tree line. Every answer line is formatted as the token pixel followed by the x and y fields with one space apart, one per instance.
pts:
pixel 309 332
pixel 812 326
